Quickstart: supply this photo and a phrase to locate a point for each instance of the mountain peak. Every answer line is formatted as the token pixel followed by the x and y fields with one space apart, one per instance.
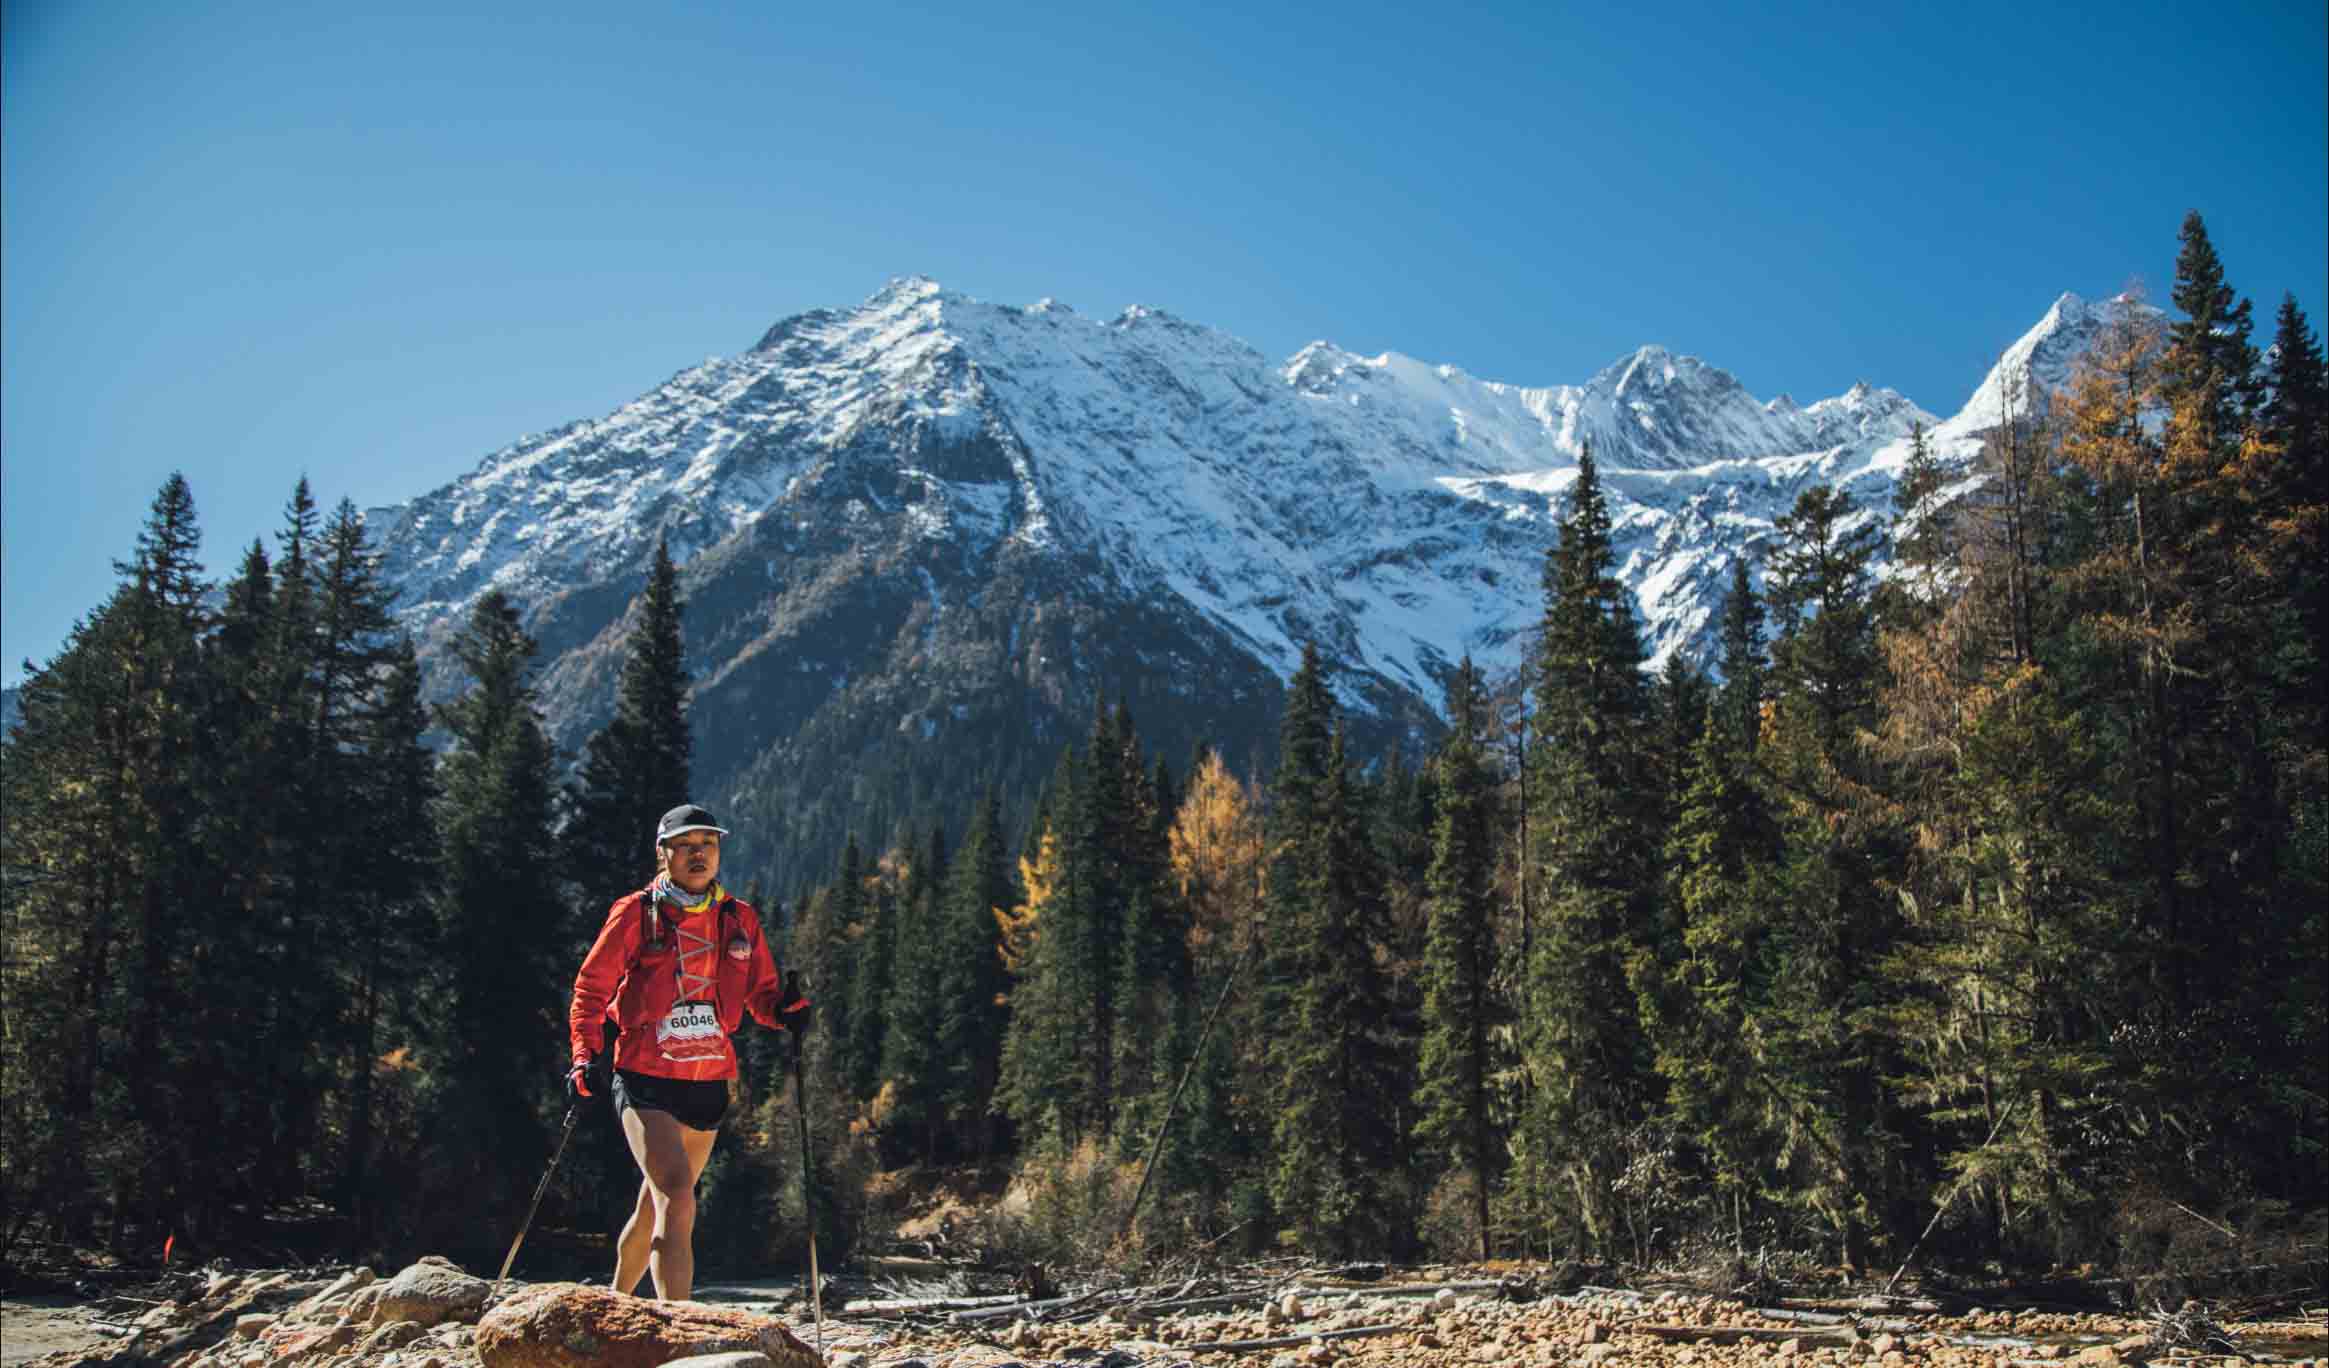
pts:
pixel 2040 361
pixel 1653 369
pixel 1316 368
pixel 1862 398
pixel 1143 315
pixel 896 299
pixel 905 289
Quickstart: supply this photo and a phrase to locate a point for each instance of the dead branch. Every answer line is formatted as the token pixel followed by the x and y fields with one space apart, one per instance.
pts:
pixel 923 1306
pixel 1289 1341
pixel 1038 1309
pixel 1741 1334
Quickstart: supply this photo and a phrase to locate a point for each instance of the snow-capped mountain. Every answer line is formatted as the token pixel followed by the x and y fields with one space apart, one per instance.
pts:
pixel 929 513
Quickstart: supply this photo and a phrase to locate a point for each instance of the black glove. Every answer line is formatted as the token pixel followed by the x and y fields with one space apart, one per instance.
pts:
pixel 582 1082
pixel 792 1012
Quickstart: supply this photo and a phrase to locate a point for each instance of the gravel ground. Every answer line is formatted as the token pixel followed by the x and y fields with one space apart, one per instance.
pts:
pixel 1368 1327
pixel 33 1326
pixel 1609 1331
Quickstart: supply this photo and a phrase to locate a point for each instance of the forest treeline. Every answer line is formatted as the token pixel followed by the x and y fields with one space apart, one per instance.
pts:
pixel 1977 908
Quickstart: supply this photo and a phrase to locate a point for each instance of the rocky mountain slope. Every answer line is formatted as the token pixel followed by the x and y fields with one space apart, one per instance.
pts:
pixel 923 538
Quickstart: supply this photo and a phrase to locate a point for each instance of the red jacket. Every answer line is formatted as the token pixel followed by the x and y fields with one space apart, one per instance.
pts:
pixel 635 980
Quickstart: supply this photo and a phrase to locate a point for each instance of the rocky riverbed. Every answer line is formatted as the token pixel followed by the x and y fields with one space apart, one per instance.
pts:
pixel 434 1315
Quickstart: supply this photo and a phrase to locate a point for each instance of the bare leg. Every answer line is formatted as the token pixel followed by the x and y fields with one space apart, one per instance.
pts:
pixel 632 1246
pixel 671 1157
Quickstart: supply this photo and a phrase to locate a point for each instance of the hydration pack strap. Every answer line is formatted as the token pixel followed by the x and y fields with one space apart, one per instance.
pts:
pixel 689 942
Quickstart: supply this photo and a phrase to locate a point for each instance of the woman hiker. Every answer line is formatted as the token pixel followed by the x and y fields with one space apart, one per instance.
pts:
pixel 675 968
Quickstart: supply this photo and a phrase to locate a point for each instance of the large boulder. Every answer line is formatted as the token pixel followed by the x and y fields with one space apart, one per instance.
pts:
pixel 431 1291
pixel 568 1325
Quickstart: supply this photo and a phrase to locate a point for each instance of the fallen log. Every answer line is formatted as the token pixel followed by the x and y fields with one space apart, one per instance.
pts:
pixel 1740 1334
pixel 1403 1289
pixel 1036 1308
pixel 1289 1341
pixel 1875 1325
pixel 1789 1314
pixel 912 1306
pixel 1263 1293
pixel 1256 1294
pixel 1920 1305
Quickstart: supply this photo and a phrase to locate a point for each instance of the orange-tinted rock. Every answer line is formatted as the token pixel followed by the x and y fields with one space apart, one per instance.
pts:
pixel 567 1325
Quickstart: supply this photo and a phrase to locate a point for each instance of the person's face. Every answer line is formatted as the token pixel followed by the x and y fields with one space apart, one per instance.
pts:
pixel 692 859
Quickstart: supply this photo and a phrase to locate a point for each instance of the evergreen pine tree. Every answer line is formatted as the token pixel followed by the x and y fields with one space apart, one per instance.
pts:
pixel 348 645
pixel 2238 688
pixel 159 786
pixel 638 764
pixel 971 983
pixel 1678 709
pixel 835 976
pixel 1596 827
pixel 392 951
pixel 64 767
pixel 100 780
pixel 873 966
pixel 2209 372
pixel 1331 1067
pixel 292 659
pixel 1152 973
pixel 1703 1013
pixel 1827 1057
pixel 1043 1082
pixel 1460 1008
pixel 1740 699
pixel 2295 420
pixel 239 752
pixel 1820 581
pixel 2004 1028
pixel 501 1039
pixel 915 1048
pixel 1921 533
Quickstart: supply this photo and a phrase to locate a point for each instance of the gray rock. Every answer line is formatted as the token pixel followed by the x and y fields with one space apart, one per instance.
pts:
pixel 429 1292
pixel 393 1335
pixel 736 1358
pixel 353 1280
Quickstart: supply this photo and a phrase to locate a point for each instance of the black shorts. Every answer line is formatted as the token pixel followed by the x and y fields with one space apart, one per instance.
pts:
pixel 697 1105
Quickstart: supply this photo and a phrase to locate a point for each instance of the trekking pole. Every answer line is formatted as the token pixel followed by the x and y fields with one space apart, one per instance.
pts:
pixel 573 1111
pixel 808 1207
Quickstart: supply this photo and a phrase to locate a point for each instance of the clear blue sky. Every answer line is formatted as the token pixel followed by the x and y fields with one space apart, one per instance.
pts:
pixel 254 240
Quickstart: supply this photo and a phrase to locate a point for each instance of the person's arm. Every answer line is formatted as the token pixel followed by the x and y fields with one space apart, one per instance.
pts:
pixel 766 995
pixel 763 986
pixel 601 973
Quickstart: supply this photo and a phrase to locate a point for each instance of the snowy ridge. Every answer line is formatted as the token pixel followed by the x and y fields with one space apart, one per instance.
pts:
pixel 1394 511
pixel 2034 367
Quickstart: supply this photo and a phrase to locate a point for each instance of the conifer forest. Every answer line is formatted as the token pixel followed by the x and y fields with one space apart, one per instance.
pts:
pixel 1974 910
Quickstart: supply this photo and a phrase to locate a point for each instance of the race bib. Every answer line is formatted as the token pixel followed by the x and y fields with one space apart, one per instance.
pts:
pixel 690 1031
